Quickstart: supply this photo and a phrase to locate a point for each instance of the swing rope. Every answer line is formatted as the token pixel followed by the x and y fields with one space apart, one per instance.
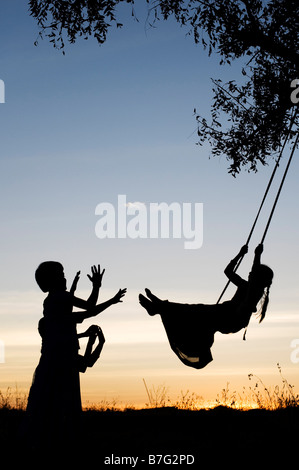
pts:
pixel 265 196
pixel 280 188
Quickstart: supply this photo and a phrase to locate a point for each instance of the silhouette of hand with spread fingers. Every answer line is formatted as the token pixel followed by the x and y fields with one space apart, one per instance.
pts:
pixel 117 298
pixel 96 276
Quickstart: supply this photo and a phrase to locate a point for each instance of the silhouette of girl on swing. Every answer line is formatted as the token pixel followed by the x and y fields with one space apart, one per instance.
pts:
pixel 190 328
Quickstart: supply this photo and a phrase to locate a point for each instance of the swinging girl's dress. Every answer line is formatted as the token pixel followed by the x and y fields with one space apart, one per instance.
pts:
pixel 190 328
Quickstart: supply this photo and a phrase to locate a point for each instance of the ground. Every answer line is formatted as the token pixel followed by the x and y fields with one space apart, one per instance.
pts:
pixel 172 437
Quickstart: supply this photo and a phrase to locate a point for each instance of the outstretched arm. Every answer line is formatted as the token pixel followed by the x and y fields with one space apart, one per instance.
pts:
pixel 93 311
pixel 230 268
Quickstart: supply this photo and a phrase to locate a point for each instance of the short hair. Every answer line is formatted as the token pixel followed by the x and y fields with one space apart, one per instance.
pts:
pixel 46 274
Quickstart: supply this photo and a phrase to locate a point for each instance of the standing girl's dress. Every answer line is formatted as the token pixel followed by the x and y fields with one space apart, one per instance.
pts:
pixel 54 402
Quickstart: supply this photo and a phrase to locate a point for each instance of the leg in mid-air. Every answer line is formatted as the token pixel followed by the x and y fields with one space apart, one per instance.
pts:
pixel 152 303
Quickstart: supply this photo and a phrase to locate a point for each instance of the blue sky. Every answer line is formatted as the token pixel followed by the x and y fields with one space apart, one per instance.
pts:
pixel 80 129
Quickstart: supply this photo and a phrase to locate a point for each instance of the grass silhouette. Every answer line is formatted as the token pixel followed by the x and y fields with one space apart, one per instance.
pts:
pixel 264 430
pixel 257 396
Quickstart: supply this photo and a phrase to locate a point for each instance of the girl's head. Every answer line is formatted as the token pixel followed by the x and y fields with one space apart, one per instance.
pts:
pixel 50 276
pixel 261 276
pixel 260 280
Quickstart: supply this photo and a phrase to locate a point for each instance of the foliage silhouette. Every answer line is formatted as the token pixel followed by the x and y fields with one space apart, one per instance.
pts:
pixel 249 117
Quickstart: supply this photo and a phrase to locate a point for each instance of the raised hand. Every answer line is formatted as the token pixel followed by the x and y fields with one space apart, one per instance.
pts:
pixel 120 294
pixel 75 282
pixel 96 276
pixel 243 250
pixel 259 249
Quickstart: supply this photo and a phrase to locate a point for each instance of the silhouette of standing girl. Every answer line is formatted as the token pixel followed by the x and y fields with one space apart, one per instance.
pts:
pixel 54 402
pixel 190 328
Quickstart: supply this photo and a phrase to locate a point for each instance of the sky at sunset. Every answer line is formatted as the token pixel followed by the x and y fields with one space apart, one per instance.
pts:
pixel 80 130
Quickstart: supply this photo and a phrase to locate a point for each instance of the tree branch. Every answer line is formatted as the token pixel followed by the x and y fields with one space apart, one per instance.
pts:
pixel 261 39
